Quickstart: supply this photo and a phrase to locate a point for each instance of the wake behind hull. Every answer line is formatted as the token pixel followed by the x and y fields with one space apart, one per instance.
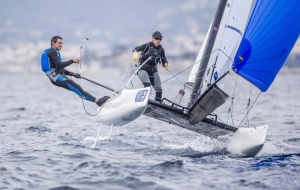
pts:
pixel 246 141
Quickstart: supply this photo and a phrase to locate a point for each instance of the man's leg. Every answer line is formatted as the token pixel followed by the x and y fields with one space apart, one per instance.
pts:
pixel 65 82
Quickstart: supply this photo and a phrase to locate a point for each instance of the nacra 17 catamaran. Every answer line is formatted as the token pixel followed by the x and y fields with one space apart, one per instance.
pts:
pixel 247 39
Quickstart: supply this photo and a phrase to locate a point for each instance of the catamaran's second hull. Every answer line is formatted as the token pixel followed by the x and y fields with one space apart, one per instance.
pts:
pixel 248 141
pixel 125 107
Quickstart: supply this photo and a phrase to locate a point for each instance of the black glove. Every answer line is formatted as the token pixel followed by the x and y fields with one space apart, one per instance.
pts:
pixel 76 75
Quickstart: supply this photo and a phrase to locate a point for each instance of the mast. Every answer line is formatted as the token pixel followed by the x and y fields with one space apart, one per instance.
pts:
pixel 207 51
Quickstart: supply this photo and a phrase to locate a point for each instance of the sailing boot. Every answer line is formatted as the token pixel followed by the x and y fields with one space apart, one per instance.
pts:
pixel 102 100
pixel 158 94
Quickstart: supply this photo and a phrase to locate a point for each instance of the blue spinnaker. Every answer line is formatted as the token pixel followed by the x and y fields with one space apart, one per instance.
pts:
pixel 271 33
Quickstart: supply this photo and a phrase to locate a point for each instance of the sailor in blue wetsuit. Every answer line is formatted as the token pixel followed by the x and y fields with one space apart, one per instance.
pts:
pixel 148 73
pixel 54 68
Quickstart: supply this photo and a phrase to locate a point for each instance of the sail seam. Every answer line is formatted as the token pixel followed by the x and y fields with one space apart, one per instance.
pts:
pixel 234 29
pixel 262 37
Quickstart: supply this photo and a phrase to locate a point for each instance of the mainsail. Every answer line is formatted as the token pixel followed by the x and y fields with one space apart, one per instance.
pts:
pixel 272 31
pixel 228 33
pixel 209 43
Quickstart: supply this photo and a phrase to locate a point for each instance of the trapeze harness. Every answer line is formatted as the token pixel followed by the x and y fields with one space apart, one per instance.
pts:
pixel 57 75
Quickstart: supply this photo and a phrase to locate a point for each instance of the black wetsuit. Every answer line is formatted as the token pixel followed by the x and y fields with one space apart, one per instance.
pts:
pixel 55 70
pixel 148 73
pixel 156 52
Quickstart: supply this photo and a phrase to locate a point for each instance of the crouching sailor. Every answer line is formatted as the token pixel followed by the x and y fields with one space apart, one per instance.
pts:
pixel 54 68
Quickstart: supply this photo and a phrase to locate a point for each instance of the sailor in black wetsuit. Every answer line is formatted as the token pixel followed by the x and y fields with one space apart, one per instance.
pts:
pixel 54 68
pixel 148 74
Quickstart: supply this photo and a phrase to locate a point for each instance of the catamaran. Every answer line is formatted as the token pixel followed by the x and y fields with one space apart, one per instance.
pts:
pixel 248 42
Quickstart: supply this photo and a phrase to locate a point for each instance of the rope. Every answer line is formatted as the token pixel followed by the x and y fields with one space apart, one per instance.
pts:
pixel 84 105
pixel 248 104
pixel 148 31
pixel 88 112
pixel 249 110
pixel 82 49
pixel 87 38
pixel 251 96
pixel 235 87
pixel 231 105
pixel 153 20
pixel 106 79
pixel 174 76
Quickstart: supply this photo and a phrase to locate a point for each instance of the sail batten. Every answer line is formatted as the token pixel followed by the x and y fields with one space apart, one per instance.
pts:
pixel 257 23
pixel 256 53
pixel 272 31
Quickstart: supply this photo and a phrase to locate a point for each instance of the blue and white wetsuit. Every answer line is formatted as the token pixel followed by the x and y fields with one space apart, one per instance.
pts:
pixel 54 68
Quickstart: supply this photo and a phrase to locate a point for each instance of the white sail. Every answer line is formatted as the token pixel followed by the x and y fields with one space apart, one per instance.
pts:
pixel 214 53
pixel 233 34
pixel 223 41
pixel 230 32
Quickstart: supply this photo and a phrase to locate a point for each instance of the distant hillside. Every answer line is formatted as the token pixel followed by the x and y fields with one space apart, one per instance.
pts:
pixel 114 27
pixel 114 22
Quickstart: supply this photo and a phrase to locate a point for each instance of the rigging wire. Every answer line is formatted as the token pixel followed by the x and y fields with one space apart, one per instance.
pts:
pixel 193 65
pixel 230 114
pixel 238 87
pixel 146 35
pixel 88 37
pixel 82 49
pixel 174 76
pixel 153 20
pixel 80 56
pixel 249 109
pixel 84 105
pixel 251 97
pixel 103 74
pixel 168 69
pixel 248 104
pixel 230 109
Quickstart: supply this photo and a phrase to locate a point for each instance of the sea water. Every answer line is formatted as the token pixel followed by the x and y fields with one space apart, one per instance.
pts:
pixel 46 142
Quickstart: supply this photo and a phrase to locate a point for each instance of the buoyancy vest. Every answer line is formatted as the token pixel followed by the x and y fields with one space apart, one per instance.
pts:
pixel 45 61
pixel 154 53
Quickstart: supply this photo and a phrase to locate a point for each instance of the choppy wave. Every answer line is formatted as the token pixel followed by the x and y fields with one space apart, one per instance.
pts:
pixel 46 143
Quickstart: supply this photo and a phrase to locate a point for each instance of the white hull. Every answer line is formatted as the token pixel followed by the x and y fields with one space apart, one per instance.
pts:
pixel 124 107
pixel 248 141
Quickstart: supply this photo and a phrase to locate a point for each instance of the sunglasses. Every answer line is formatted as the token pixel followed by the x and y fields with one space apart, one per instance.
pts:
pixel 158 39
